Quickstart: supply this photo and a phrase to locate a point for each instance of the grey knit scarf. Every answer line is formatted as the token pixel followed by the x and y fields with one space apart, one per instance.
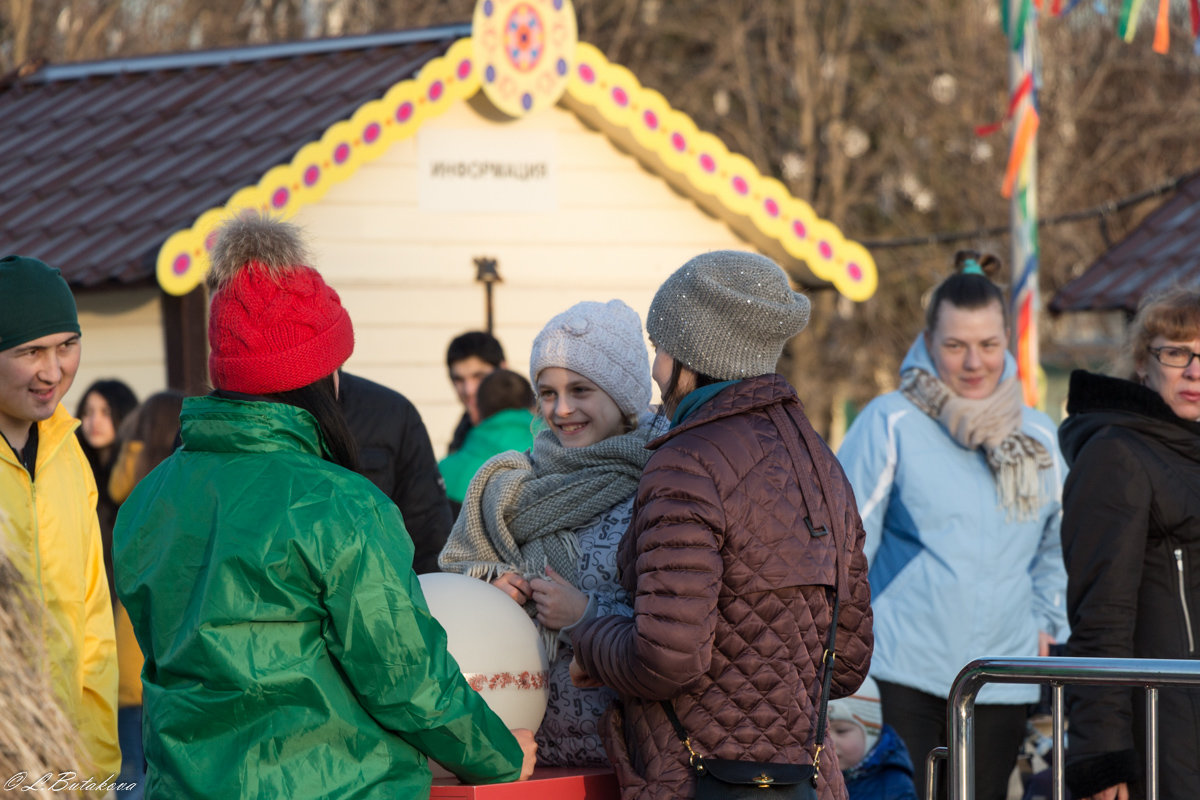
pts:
pixel 994 424
pixel 521 510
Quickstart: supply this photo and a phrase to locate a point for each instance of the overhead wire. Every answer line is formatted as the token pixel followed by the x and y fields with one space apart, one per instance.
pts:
pixel 1102 210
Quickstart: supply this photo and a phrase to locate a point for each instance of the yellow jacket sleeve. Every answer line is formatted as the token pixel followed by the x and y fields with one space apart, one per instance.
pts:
pixel 129 661
pixel 120 480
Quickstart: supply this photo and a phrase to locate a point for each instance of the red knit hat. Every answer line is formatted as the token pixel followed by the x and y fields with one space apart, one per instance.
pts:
pixel 274 324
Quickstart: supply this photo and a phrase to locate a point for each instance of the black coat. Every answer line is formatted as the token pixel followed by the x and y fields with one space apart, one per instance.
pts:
pixel 1131 541
pixel 395 453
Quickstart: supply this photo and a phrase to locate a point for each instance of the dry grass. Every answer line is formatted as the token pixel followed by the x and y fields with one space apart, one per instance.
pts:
pixel 36 737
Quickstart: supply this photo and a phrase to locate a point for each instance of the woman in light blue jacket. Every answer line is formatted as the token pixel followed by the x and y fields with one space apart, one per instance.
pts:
pixel 959 486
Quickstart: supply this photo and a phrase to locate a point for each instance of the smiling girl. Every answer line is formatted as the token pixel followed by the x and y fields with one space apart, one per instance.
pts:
pixel 544 525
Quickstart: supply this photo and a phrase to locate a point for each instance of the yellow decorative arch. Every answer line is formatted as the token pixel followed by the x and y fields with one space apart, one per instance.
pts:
pixel 695 158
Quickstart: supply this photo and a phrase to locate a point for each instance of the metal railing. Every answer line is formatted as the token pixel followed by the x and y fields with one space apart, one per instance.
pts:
pixel 1150 674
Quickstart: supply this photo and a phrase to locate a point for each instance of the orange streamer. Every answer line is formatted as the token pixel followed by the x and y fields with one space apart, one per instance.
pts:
pixel 1025 133
pixel 1026 368
pixel 1162 29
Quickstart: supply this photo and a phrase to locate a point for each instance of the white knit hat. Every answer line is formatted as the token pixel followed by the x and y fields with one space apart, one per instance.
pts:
pixel 603 342
pixel 863 709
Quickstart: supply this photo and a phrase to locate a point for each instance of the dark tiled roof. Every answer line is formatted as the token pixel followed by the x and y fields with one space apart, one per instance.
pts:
pixel 101 161
pixel 1161 252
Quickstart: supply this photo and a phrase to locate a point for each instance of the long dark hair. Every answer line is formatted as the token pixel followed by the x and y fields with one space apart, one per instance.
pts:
pixel 320 400
pixel 671 394
pixel 121 403
pixel 156 426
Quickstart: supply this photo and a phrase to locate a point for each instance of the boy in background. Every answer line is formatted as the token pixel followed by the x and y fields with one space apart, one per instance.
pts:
pixel 872 756
pixel 506 422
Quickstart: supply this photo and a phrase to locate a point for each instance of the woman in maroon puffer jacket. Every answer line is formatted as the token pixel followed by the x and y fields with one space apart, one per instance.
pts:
pixel 743 525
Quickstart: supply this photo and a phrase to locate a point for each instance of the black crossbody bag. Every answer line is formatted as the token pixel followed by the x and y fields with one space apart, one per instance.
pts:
pixel 724 779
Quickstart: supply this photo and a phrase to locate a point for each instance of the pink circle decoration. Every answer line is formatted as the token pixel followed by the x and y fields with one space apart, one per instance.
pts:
pixel 825 249
pixel 371 132
pixel 707 163
pixel 312 174
pixel 524 37
pixel 678 141
pixel 771 207
pixel 739 185
pixel 620 97
pixel 341 153
pixel 799 229
pixel 587 74
pixel 435 90
pixel 651 120
pixel 181 263
pixel 404 112
pixel 280 197
pixel 854 271
pixel 464 69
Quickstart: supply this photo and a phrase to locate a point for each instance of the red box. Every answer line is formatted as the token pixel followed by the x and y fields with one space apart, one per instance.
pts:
pixel 549 783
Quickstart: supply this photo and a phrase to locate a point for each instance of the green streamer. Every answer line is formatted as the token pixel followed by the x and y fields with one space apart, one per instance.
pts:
pixel 1123 24
pixel 1018 37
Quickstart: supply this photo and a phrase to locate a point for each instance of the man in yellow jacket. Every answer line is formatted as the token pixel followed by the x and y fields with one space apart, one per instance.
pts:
pixel 48 492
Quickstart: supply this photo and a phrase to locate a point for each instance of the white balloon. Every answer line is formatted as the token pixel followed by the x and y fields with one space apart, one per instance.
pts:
pixel 496 645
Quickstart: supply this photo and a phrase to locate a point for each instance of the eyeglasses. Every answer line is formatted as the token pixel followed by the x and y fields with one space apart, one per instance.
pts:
pixel 1173 356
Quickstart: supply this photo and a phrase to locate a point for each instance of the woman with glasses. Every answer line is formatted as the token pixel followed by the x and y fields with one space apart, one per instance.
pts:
pixel 958 486
pixel 1131 540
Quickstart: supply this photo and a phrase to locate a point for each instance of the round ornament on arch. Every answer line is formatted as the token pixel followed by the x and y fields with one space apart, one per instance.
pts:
pixel 525 50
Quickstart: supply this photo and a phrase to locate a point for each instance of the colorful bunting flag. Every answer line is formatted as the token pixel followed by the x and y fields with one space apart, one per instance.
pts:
pixel 1022 90
pixel 1162 29
pixel 1026 130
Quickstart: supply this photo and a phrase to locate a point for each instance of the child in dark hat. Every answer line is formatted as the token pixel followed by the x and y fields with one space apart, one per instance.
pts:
pixel 872 756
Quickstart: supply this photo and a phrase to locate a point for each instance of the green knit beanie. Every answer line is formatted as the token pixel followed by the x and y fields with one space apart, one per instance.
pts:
pixel 35 301
pixel 727 314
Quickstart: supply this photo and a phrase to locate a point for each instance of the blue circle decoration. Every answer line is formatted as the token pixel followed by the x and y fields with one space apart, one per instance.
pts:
pixel 489 74
pixel 561 66
pixel 558 5
pixel 488 8
pixel 527 101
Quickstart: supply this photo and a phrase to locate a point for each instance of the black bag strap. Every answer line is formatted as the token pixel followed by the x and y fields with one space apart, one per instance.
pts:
pixel 827 660
pixel 781 419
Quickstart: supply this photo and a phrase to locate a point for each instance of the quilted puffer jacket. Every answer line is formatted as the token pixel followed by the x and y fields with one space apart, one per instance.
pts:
pixel 743 524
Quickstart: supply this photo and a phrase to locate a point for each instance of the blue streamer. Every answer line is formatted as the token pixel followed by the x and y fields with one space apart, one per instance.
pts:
pixel 1030 268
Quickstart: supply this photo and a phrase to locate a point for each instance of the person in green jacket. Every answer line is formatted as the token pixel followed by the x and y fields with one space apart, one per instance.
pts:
pixel 505 401
pixel 289 649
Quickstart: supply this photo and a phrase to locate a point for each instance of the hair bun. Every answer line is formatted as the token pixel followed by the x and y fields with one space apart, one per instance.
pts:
pixel 968 261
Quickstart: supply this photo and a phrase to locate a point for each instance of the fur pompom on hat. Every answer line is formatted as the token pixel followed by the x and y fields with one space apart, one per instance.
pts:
pixel 863 709
pixel 604 343
pixel 274 324
pixel 727 314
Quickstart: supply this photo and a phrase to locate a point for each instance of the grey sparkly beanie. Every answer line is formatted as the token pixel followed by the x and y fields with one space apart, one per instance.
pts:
pixel 603 342
pixel 727 314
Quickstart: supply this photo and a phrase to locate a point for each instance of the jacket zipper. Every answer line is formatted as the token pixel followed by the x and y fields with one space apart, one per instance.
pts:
pixel 1187 617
